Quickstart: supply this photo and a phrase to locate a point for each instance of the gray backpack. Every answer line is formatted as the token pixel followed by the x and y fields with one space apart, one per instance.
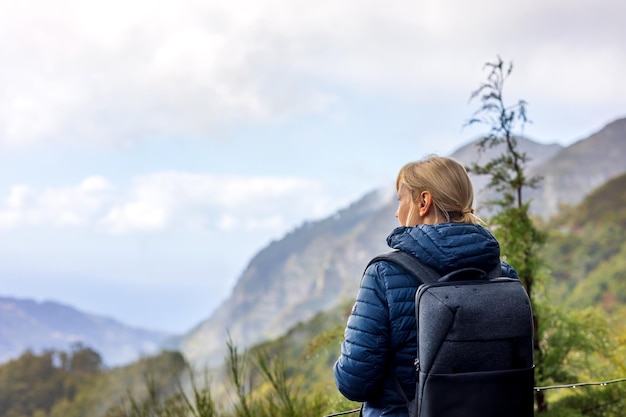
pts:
pixel 475 343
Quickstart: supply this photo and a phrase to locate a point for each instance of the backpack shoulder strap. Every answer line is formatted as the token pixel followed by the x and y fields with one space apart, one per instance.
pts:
pixel 411 264
pixel 424 275
pixel 496 272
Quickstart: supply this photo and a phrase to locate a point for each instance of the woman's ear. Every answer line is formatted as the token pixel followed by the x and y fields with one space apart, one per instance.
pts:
pixel 424 203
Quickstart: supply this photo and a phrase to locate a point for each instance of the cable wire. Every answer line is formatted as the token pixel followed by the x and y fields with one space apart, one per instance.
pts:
pixel 356 410
pixel 580 384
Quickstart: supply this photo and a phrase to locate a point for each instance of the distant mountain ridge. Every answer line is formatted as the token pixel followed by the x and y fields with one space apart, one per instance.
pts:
pixel 568 173
pixel 538 155
pixel 578 169
pixel 29 324
pixel 320 264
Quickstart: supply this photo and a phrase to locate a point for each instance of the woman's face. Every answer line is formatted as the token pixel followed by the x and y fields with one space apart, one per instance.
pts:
pixel 406 213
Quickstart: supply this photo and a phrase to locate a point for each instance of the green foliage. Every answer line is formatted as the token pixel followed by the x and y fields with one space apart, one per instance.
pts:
pixel 574 337
pixel 83 360
pixel 236 366
pixel 587 248
pixel 520 243
pixel 287 377
pixel 74 384
pixel 520 239
pixel 605 205
pixel 574 253
pixel 159 404
pixel 144 382
pixel 603 358
pixel 586 256
pixel 32 384
pixel 605 285
pixel 506 171
pixel 276 394
pixel 305 355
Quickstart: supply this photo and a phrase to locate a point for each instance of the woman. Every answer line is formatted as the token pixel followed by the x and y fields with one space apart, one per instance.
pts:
pixel 438 226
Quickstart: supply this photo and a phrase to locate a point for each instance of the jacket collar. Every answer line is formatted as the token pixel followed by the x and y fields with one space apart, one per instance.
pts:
pixel 448 246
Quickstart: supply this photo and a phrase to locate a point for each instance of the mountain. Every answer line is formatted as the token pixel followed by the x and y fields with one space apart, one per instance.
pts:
pixel 578 169
pixel 320 264
pixel 538 155
pixel 568 173
pixel 31 325
pixel 310 270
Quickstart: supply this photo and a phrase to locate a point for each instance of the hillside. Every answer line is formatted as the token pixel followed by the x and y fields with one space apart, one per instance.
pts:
pixel 605 205
pixel 309 270
pixel 587 248
pixel 578 169
pixel 28 324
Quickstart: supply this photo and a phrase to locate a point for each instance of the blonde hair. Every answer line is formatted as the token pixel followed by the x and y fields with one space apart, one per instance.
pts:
pixel 448 183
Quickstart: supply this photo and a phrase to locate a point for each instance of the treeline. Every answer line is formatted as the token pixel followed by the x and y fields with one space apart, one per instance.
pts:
pixel 55 383
pixel 33 384
pixel 258 383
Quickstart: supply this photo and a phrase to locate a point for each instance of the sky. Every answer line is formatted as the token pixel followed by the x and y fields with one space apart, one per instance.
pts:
pixel 148 149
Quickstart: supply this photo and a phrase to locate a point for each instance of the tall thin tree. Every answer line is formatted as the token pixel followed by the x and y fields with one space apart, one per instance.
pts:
pixel 519 237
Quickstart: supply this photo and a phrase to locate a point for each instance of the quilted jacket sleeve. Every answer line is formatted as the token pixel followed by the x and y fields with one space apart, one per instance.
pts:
pixel 359 369
pixel 508 270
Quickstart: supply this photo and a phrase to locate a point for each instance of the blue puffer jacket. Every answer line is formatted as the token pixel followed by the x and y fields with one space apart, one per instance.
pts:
pixel 380 337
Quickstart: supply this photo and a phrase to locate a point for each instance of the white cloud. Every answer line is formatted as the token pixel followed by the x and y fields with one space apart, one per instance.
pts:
pixel 64 206
pixel 183 200
pixel 591 80
pixel 135 216
pixel 18 197
pixel 123 71
pixel 169 200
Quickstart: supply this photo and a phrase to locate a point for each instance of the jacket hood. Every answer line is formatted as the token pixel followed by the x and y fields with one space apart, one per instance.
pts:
pixel 446 247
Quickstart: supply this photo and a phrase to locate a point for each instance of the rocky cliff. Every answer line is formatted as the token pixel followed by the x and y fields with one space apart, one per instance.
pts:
pixel 309 270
